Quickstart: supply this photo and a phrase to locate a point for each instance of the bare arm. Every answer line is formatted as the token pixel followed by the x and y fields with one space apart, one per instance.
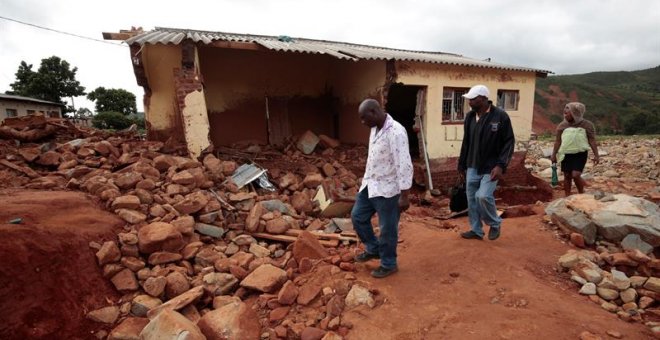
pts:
pixel 553 158
pixel 404 202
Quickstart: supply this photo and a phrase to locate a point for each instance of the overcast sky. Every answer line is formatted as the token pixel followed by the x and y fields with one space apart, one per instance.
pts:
pixel 563 36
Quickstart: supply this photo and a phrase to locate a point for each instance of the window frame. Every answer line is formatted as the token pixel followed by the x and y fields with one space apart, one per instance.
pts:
pixel 503 96
pixel 14 113
pixel 449 96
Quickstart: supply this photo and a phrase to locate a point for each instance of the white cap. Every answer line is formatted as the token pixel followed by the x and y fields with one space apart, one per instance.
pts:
pixel 477 90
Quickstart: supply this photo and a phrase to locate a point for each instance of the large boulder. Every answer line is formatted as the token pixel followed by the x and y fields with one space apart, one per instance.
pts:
pixel 570 220
pixel 614 217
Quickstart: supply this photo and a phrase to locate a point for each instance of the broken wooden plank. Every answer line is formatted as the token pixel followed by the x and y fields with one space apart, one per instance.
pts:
pixel 322 236
pixel 290 239
pixel 222 202
pixel 27 171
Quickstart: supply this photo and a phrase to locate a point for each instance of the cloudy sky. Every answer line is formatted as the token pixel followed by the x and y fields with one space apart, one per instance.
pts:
pixel 564 36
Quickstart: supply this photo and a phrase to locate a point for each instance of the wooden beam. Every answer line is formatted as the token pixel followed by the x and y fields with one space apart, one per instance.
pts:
pixel 291 239
pixel 116 36
pixel 322 236
pixel 238 45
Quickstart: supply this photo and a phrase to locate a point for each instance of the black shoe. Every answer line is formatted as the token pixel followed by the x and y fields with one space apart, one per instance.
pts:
pixel 381 272
pixel 493 233
pixel 364 257
pixel 471 235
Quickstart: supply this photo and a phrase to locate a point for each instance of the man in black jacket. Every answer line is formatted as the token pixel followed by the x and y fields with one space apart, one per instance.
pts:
pixel 485 153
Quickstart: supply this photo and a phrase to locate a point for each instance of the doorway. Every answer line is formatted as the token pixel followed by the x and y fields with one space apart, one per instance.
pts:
pixel 402 105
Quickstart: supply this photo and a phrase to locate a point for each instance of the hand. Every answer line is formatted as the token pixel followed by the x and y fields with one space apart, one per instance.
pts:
pixel 496 173
pixel 404 203
pixel 596 159
pixel 553 159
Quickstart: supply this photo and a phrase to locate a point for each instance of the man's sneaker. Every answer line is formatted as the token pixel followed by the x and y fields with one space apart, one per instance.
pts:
pixel 364 257
pixel 382 272
pixel 493 233
pixel 471 235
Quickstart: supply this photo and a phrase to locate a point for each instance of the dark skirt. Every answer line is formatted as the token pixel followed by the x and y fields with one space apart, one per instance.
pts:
pixel 574 162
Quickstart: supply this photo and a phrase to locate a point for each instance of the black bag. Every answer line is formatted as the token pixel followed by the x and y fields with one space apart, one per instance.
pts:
pixel 458 197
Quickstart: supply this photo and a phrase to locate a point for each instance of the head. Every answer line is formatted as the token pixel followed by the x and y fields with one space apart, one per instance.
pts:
pixel 573 112
pixel 371 114
pixel 478 97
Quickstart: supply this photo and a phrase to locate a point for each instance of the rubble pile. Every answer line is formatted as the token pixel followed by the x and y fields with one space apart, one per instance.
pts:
pixel 620 270
pixel 621 281
pixel 626 161
pixel 204 241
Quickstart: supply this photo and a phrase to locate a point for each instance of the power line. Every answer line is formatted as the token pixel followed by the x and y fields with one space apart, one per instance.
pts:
pixel 62 32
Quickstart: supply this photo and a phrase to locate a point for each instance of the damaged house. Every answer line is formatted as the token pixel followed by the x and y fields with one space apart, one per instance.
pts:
pixel 213 88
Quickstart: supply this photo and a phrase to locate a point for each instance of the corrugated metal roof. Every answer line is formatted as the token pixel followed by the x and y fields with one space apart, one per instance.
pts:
pixel 341 50
pixel 27 99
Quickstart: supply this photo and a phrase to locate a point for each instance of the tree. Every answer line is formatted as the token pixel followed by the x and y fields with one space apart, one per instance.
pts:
pixel 113 100
pixel 54 80
pixel 111 120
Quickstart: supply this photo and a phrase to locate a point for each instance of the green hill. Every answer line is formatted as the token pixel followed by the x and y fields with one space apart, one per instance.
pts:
pixel 617 102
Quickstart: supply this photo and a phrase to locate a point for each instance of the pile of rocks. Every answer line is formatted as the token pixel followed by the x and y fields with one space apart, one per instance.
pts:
pixel 630 158
pixel 622 282
pixel 186 259
pixel 621 273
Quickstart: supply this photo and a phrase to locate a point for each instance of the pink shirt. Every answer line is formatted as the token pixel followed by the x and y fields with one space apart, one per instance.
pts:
pixel 389 168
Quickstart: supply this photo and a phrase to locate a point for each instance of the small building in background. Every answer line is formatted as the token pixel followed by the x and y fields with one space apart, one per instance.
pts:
pixel 18 106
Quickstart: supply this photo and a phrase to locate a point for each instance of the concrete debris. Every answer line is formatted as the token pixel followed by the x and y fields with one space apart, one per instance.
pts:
pixel 612 220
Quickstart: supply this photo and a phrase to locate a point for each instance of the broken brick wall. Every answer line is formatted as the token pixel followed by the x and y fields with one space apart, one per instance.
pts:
pixel 445 175
pixel 192 109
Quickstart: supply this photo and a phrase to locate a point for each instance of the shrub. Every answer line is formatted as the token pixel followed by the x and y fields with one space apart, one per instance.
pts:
pixel 111 120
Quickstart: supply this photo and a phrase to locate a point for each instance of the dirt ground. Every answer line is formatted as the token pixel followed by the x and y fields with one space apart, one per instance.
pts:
pixel 49 277
pixel 447 287
pixel 451 288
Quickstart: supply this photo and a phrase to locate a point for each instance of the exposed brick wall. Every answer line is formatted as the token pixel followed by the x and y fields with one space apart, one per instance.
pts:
pixel 186 80
pixel 445 175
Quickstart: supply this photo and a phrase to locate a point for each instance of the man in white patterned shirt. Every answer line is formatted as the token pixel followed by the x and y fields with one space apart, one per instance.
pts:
pixel 385 186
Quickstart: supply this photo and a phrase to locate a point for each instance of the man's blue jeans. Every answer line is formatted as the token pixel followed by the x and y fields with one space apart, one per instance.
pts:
pixel 388 221
pixel 481 201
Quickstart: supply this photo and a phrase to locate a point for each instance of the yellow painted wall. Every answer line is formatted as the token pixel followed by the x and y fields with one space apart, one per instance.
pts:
pixel 445 140
pixel 354 81
pixel 159 63
pixel 22 108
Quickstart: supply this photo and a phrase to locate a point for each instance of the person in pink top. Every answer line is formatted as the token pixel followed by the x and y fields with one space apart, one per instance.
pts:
pixel 385 186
